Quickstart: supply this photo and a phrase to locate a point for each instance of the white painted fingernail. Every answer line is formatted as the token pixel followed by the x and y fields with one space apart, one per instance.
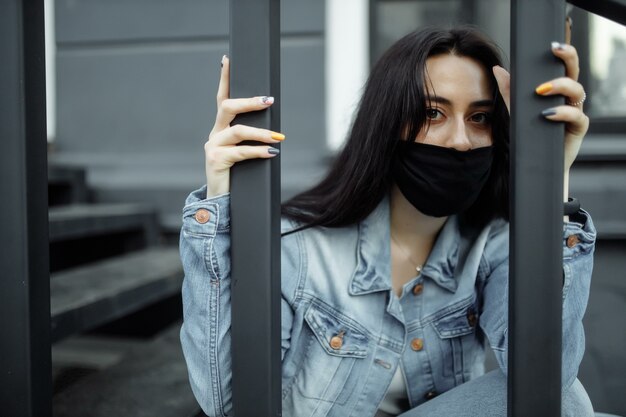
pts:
pixel 557 45
pixel 267 100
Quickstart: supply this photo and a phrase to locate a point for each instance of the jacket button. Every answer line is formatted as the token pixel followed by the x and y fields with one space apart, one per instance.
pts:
pixel 417 344
pixel 572 241
pixel 417 290
pixel 202 216
pixel 336 342
pixel 430 395
pixel 471 319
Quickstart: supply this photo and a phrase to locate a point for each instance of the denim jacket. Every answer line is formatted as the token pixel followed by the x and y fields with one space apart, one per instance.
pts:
pixel 344 331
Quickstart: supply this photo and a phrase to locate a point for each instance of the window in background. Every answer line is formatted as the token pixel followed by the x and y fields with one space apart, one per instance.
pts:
pixel 392 19
pixel 601 45
pixel 607 63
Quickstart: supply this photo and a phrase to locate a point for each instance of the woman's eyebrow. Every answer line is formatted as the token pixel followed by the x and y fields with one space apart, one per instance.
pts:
pixel 477 103
pixel 482 103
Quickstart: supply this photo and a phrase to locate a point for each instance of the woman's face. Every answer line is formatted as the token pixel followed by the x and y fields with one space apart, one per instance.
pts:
pixel 460 108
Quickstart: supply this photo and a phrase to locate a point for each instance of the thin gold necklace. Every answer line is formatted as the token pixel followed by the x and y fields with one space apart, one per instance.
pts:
pixel 418 266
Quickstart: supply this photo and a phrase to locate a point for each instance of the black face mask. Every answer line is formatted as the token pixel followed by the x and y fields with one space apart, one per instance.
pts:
pixel 440 181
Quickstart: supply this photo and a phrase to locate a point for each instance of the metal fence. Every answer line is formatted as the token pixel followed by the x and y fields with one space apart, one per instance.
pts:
pixel 536 167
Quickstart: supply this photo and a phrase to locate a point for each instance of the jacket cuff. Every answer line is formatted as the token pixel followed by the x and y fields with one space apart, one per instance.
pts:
pixel 579 235
pixel 206 216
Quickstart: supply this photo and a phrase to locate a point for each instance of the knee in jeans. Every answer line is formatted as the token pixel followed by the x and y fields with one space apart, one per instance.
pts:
pixel 576 402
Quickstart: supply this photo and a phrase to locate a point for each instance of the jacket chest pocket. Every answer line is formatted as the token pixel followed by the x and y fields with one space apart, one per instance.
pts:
pixel 459 343
pixel 335 348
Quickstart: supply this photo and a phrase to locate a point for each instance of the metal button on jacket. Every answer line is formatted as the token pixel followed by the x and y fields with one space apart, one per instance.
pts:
pixel 471 319
pixel 417 344
pixel 430 395
pixel 337 341
pixel 417 290
pixel 572 241
pixel 202 216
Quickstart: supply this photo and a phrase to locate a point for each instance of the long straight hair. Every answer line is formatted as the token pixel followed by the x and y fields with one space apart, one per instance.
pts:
pixel 393 107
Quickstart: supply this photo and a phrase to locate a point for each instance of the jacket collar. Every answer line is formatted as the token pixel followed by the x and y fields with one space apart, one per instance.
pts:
pixel 373 271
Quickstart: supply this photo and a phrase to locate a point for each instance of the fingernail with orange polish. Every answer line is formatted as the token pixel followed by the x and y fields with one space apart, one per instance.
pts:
pixel 544 88
pixel 267 100
pixel 278 136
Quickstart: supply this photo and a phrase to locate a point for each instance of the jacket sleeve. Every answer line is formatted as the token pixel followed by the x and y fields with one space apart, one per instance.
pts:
pixel 577 268
pixel 205 333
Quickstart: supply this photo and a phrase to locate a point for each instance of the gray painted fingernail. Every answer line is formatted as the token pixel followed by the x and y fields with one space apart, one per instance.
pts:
pixel 557 45
pixel 273 151
pixel 549 112
pixel 267 100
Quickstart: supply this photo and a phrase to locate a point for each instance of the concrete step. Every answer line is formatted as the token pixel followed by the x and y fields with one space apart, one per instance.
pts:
pixel 87 296
pixel 601 189
pixel 66 185
pixel 83 220
pixel 78 356
pixel 611 229
pixel 150 381
pixel 604 364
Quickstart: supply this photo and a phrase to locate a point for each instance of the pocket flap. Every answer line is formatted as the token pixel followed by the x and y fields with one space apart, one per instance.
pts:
pixel 455 324
pixel 338 334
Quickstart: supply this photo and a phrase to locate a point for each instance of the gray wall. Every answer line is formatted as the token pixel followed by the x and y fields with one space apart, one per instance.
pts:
pixel 136 84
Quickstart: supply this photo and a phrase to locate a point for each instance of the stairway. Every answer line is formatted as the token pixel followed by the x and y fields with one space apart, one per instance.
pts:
pixel 598 180
pixel 115 307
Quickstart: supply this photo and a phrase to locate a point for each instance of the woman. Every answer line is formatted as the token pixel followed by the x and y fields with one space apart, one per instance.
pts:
pixel 394 267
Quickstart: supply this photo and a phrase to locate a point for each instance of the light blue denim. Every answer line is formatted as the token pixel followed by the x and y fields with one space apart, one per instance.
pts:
pixel 336 282
pixel 485 396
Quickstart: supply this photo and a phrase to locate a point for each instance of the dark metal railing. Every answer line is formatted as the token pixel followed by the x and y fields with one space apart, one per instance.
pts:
pixel 536 259
pixel 614 10
pixel 536 270
pixel 255 216
pixel 25 363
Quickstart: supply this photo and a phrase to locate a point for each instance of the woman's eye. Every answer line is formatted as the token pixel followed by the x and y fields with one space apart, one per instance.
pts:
pixel 482 118
pixel 432 114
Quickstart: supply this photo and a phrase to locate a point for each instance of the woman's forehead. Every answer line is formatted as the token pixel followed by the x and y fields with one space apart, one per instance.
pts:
pixel 456 78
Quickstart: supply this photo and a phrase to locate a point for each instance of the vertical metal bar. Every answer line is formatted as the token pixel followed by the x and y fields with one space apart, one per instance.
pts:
pixel 255 216
pixel 374 27
pixel 25 370
pixel 534 361
pixel 614 10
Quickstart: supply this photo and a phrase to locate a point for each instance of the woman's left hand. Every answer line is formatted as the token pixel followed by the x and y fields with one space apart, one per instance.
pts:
pixel 576 122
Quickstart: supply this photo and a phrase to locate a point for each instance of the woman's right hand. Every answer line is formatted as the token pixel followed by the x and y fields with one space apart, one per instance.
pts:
pixel 221 150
